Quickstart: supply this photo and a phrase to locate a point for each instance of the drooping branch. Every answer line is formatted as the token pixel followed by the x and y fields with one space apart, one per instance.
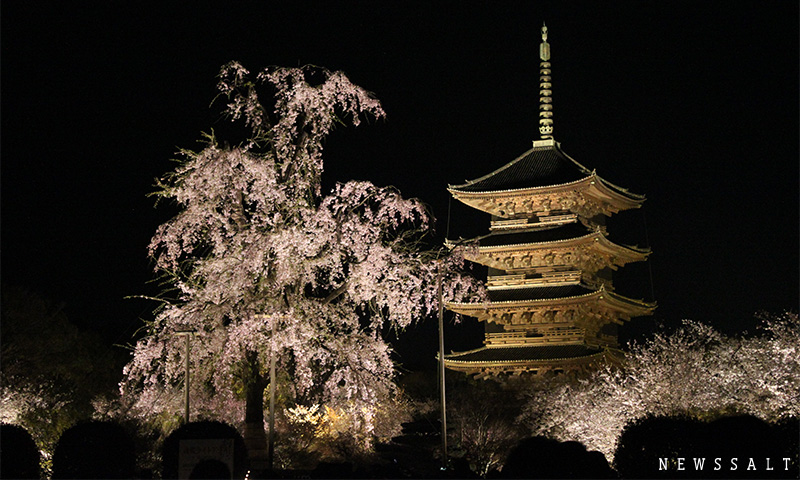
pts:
pixel 335 294
pixel 256 239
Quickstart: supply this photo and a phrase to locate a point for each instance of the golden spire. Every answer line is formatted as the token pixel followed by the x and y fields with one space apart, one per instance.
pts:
pixel 545 89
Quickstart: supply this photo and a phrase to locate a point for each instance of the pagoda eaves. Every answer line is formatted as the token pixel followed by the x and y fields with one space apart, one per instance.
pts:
pixel 598 303
pixel 542 180
pixel 590 253
pixel 515 360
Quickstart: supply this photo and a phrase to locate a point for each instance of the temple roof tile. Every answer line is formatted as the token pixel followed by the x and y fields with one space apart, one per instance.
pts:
pixel 541 167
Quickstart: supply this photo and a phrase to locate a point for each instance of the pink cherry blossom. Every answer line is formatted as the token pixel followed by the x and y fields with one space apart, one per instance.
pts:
pixel 261 264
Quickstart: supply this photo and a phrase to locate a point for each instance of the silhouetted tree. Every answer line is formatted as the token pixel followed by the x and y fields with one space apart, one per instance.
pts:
pixel 482 415
pixel 644 441
pixel 51 370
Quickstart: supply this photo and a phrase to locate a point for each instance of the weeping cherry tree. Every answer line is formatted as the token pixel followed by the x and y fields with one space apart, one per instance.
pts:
pixel 262 264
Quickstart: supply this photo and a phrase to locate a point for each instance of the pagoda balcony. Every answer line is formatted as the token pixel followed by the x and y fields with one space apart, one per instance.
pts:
pixel 566 336
pixel 602 342
pixel 557 218
pixel 509 224
pixel 544 220
pixel 523 281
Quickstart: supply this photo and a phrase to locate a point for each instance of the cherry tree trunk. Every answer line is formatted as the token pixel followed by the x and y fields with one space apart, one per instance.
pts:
pixel 254 436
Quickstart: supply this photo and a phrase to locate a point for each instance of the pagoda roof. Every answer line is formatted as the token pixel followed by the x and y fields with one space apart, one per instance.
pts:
pixel 527 353
pixel 538 293
pixel 543 165
pixel 494 247
pixel 540 235
pixel 567 295
pixel 542 169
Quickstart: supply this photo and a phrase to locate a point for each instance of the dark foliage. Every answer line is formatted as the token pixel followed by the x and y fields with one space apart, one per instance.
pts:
pixel 643 442
pixel 412 454
pixel 205 430
pixel 653 448
pixel 19 457
pixel 540 457
pixel 52 363
pixel 482 426
pixel 94 450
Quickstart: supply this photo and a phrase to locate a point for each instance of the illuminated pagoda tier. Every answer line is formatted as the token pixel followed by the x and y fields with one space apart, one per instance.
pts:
pixel 552 305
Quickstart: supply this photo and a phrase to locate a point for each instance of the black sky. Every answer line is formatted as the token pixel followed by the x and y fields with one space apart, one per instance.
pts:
pixel 694 104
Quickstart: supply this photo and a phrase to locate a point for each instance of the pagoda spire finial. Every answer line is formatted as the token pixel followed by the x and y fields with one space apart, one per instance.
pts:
pixel 545 89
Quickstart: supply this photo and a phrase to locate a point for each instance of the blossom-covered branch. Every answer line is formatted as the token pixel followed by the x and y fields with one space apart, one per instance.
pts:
pixel 263 265
pixel 695 371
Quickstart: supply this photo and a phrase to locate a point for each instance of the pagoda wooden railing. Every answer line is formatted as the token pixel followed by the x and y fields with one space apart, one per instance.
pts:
pixel 514 223
pixel 520 338
pixel 521 280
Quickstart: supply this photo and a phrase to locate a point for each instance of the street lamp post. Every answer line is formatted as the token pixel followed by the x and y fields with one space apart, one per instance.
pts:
pixel 442 396
pixel 188 334
pixel 272 387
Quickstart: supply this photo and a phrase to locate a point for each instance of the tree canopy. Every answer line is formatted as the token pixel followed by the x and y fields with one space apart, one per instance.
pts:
pixel 260 263
pixel 695 371
pixel 51 369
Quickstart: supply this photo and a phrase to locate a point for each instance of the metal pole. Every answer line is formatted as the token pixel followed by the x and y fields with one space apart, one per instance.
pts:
pixel 442 395
pixel 186 382
pixel 272 387
pixel 187 334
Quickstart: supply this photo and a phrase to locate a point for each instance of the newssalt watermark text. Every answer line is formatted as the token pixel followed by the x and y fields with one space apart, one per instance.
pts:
pixel 716 464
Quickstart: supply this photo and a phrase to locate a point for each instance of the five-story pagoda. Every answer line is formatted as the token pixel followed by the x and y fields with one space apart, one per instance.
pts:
pixel 552 306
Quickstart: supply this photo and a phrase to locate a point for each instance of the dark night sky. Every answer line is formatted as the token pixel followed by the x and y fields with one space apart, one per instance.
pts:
pixel 694 104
